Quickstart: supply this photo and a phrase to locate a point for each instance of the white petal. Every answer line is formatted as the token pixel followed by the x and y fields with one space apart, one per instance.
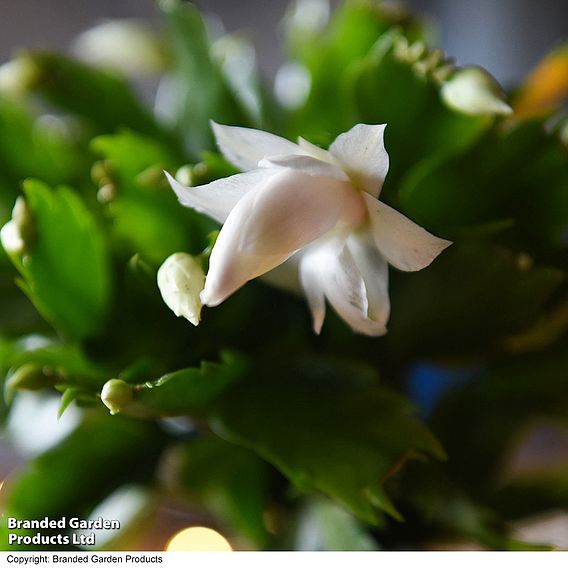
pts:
pixel 305 164
pixel 375 272
pixel 309 149
pixel 332 264
pixel 218 198
pixel 293 209
pixel 245 147
pixel 268 225
pixel 404 244
pixel 361 152
pixel 229 266
pixel 310 280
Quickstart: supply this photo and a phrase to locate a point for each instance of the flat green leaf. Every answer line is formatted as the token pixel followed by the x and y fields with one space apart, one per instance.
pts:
pixel 519 174
pixel 204 94
pixel 147 218
pixel 472 297
pixel 66 274
pixel 192 391
pixel 328 427
pixel 230 481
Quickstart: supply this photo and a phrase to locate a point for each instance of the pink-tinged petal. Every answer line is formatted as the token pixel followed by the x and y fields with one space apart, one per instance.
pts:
pixel 403 243
pixel 332 265
pixel 246 147
pixel 284 214
pixel 361 152
pixel 305 164
pixel 218 198
pixel 293 209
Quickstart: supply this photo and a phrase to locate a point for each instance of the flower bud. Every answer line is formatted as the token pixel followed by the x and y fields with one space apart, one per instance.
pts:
pixel 125 45
pixel 474 91
pixel 181 280
pixel 18 76
pixel 18 234
pixel 116 394
pixel 29 377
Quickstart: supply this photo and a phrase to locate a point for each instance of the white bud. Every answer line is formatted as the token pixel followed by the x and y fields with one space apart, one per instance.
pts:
pixel 128 46
pixel 181 280
pixel 116 394
pixel 18 234
pixel 474 91
pixel 17 76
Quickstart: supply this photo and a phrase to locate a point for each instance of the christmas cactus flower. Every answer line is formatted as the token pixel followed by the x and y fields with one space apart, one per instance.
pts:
pixel 316 210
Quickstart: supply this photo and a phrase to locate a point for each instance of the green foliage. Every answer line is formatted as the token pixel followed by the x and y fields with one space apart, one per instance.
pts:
pixel 359 432
pixel 230 481
pixel 99 456
pixel 66 274
pixel 288 431
pixel 202 91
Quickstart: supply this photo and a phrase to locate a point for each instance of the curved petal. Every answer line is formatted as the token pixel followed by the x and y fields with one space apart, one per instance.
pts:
pixel 217 199
pixel 361 151
pixel 332 266
pixel 305 164
pixel 245 147
pixel 375 272
pixel 309 149
pixel 268 225
pixel 404 244
pixel 311 284
pixel 293 209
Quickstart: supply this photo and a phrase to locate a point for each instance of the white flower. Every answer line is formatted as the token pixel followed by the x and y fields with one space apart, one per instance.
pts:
pixel 181 280
pixel 318 211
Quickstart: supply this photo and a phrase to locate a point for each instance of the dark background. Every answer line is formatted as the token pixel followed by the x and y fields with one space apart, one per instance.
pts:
pixel 506 36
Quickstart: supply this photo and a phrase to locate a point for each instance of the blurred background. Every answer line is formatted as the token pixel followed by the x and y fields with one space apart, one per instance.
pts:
pixel 508 37
pixel 505 36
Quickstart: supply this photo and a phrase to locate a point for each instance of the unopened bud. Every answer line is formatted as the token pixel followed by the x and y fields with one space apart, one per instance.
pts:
pixel 128 46
pixel 29 377
pixel 18 76
pixel 474 91
pixel 18 234
pixel 185 175
pixel 116 394
pixel 181 280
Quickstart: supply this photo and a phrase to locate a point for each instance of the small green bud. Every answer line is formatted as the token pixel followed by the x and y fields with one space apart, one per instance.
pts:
pixel 29 377
pixel 116 394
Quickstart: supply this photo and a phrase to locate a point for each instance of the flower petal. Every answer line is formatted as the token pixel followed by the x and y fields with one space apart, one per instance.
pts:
pixel 361 151
pixel 309 149
pixel 375 272
pixel 404 244
pixel 305 164
pixel 310 280
pixel 218 198
pixel 229 266
pixel 332 265
pixel 293 209
pixel 245 147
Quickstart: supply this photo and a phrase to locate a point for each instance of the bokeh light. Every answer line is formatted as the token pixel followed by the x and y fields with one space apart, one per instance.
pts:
pixel 198 539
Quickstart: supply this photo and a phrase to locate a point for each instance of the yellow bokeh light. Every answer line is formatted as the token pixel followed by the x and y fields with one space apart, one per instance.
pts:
pixel 198 539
